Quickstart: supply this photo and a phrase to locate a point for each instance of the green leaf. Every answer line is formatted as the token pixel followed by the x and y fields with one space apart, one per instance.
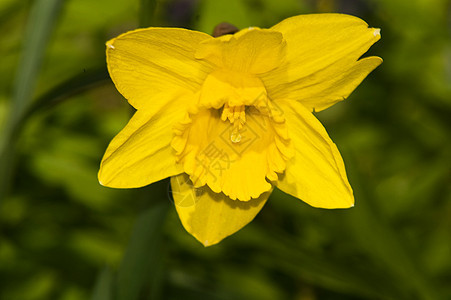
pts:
pixel 103 289
pixel 79 83
pixel 142 260
pixel 39 28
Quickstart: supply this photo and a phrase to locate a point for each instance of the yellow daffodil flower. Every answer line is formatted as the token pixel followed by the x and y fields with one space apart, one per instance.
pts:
pixel 230 118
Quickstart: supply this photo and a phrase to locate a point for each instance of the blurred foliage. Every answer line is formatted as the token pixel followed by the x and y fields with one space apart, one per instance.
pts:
pixel 63 236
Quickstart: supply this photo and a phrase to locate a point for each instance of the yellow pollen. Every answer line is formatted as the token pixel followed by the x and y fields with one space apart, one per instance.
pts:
pixel 237 116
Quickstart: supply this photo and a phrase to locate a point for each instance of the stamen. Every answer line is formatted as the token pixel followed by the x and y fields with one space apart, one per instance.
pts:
pixel 236 113
pixel 242 117
pixel 225 112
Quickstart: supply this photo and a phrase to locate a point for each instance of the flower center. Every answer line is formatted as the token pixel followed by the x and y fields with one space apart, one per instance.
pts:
pixel 234 140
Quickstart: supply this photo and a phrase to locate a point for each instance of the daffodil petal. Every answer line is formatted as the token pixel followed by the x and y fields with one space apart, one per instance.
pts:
pixel 141 153
pixel 147 65
pixel 210 217
pixel 321 66
pixel 251 50
pixel 316 174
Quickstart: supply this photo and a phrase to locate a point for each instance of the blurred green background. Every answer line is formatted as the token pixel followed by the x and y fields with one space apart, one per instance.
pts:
pixel 63 236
